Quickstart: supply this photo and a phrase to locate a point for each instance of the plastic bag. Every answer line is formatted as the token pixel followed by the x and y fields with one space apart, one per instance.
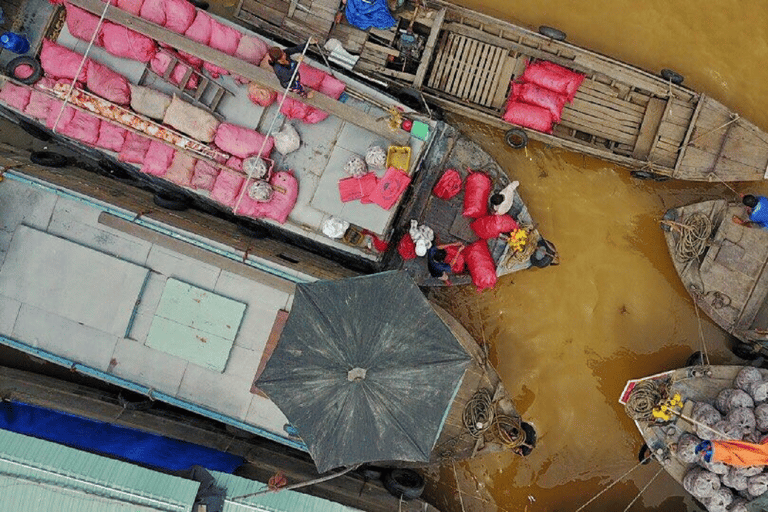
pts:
pixel 448 185
pixel 376 157
pixel 287 140
pixel 389 188
pixel 355 166
pixel 476 193
pixel 260 191
pixel 335 228
pixel 256 168
pixel 422 237
pixel 353 188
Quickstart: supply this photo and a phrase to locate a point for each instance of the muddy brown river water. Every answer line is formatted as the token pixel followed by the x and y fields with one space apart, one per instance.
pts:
pixel 565 339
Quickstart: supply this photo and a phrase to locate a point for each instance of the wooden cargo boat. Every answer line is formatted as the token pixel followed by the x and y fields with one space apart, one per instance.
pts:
pixel 723 266
pixel 687 387
pixel 361 120
pixel 463 62
pixel 190 327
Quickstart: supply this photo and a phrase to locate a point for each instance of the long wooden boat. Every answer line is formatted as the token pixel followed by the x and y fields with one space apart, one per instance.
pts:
pixel 723 266
pixel 139 308
pixel 464 61
pixel 360 119
pixel 667 436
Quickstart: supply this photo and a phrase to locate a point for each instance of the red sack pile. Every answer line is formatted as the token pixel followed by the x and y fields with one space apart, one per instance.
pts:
pixel 476 195
pixel 492 226
pixel 317 80
pixel 448 185
pixel 352 188
pixel 480 264
pixel 538 100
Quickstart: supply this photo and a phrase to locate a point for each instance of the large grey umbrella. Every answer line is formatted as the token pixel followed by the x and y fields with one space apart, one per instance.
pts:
pixel 365 370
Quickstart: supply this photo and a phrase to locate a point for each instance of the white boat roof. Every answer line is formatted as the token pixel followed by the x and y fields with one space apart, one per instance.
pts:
pixel 318 164
pixel 149 313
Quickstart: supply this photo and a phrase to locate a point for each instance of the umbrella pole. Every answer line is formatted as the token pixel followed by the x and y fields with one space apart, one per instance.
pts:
pixel 297 485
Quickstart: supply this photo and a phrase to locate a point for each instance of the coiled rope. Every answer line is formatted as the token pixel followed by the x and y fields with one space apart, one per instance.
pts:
pixel 508 430
pixel 694 232
pixel 478 413
pixel 644 397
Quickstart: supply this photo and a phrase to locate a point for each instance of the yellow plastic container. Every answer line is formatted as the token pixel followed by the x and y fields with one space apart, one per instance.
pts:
pixel 399 157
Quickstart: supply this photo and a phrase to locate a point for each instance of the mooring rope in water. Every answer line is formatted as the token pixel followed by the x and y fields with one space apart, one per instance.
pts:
pixel 661 468
pixel 701 331
pixel 614 483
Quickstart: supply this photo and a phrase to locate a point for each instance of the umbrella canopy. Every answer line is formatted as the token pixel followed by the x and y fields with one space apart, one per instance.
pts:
pixel 365 370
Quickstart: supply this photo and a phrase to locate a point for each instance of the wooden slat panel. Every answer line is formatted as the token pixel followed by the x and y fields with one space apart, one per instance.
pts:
pixel 649 128
pixel 457 63
pixel 426 56
pixel 594 125
pixel 468 69
pixel 499 96
pixel 497 67
pixel 482 80
pixel 672 132
pixel 440 61
pixel 597 107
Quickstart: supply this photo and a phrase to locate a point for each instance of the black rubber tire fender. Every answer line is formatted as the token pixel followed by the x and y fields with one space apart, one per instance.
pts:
pixel 644 455
pixel 695 359
pixel 404 483
pixel 552 33
pixel 642 175
pixel 744 351
pixel 36 131
pixel 139 404
pixel 171 202
pixel 669 215
pixel 672 76
pixel 516 138
pixel 411 98
pixel 37 69
pixel 49 159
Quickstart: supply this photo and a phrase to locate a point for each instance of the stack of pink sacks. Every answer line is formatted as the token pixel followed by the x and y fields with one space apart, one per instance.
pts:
pixel 481 266
pixel 316 80
pixel 537 100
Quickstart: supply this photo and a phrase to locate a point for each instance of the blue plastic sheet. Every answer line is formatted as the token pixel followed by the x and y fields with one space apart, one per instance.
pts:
pixel 365 14
pixel 106 439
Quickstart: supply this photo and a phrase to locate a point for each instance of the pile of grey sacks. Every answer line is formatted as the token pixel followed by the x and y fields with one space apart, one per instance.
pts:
pixel 739 413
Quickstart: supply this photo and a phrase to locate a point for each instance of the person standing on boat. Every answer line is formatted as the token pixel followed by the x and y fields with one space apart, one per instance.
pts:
pixel 758 212
pixel 284 67
pixel 501 201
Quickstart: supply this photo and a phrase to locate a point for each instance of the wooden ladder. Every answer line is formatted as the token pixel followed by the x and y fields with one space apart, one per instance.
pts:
pixel 208 93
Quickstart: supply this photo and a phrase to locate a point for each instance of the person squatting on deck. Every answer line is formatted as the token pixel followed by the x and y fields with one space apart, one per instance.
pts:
pixel 284 66
pixel 757 206
pixel 501 201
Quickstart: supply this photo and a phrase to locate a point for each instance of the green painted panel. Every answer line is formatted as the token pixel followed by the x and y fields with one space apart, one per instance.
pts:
pixel 195 324
pixel 200 309
pixel 197 347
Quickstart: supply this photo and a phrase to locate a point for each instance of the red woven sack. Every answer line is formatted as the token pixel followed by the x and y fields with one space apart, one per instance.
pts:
pixel 476 194
pixel 481 265
pixel 448 185
pixel 530 116
pixel 574 78
pixel 353 188
pixel 535 95
pixel 553 77
pixel 492 226
pixel 389 188
pixel 406 248
pixel 454 255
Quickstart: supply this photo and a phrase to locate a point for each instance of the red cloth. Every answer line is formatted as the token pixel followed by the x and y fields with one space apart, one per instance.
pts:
pixel 406 248
pixel 389 188
pixel 354 188
pixel 481 265
pixel 476 193
pixel 492 226
pixel 378 244
pixel 448 185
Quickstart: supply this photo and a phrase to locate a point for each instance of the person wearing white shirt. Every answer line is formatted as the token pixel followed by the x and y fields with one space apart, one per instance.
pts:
pixel 501 202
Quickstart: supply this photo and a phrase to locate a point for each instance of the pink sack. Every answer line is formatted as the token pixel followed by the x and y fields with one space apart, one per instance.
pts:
pixel 158 158
pixel 39 105
pixel 311 77
pixel 200 30
pixel 160 62
pixel 131 6
pixel 108 84
pixel 227 187
pixel 122 42
pixel 283 199
pixel 58 117
pixel 60 62
pixel 235 163
pixel 294 109
pixel 480 264
pixel 111 136
pixel 529 116
pixel 535 95
pixel 476 193
pixel 214 70
pixel 332 87
pixel 389 188
pixel 241 142
pixel 154 11
pixel 315 115
pixel 251 49
pixel 15 96
pixel 135 148
pixel 353 188
pixel 448 185
pixel 553 77
pixel 195 62
pixel 204 176
pixel 181 170
pixel 261 95
pixel 82 24
pixel 179 15
pixel 492 226
pixel 81 126
pixel 224 38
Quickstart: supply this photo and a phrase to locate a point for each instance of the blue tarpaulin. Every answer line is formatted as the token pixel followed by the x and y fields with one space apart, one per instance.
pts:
pixel 107 439
pixel 365 14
